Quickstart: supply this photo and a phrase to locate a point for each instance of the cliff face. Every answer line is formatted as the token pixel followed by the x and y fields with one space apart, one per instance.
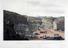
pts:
pixel 14 17
pixel 10 20
pixel 21 27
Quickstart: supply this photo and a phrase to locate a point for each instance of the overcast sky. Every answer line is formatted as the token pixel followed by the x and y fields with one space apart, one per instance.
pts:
pixel 35 7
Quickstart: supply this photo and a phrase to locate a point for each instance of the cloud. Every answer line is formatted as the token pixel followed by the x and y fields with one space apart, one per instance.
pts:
pixel 35 7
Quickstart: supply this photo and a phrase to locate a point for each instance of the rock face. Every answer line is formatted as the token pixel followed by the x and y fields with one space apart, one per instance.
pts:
pixel 47 23
pixel 10 20
pixel 58 24
pixel 14 17
pixel 22 27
